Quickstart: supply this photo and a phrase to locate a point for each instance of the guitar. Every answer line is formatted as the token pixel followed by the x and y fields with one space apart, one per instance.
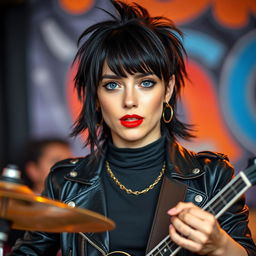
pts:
pixel 216 206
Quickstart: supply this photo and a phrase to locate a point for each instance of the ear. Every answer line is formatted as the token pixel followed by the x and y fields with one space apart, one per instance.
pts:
pixel 170 88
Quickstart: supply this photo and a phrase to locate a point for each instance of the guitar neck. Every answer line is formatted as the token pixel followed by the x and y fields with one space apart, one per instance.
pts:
pixel 217 206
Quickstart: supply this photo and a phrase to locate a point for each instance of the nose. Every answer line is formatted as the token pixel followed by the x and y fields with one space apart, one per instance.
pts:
pixel 130 99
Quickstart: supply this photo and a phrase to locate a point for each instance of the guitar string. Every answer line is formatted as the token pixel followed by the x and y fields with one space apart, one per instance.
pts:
pixel 238 183
pixel 216 205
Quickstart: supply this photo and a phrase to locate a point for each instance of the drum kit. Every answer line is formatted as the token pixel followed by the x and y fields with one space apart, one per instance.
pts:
pixel 21 209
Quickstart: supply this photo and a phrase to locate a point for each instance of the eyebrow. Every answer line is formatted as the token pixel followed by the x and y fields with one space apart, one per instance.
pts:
pixel 140 75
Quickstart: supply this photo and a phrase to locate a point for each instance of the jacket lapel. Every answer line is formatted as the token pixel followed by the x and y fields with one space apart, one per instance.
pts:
pixel 98 204
pixel 93 196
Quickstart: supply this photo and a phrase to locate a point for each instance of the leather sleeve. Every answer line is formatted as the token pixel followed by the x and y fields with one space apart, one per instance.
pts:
pixel 235 220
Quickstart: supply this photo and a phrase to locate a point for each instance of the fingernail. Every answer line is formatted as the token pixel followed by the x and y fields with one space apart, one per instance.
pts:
pixel 172 211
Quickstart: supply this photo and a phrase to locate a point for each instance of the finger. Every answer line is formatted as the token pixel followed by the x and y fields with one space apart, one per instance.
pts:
pixel 199 213
pixel 204 223
pixel 188 232
pixel 179 208
pixel 184 242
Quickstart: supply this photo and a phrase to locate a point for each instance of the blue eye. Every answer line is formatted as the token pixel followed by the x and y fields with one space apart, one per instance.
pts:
pixel 111 86
pixel 148 83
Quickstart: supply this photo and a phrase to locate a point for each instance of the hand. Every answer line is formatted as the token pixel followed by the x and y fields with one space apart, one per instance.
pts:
pixel 198 231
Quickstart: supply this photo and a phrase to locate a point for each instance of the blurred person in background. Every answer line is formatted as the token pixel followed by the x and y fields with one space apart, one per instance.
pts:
pixel 40 156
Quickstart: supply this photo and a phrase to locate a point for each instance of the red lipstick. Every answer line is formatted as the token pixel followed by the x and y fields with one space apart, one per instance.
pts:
pixel 131 121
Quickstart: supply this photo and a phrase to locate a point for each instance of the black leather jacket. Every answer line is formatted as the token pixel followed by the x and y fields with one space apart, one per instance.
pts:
pixel 74 180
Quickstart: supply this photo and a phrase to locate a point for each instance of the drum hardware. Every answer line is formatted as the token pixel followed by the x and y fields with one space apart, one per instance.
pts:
pixel 21 209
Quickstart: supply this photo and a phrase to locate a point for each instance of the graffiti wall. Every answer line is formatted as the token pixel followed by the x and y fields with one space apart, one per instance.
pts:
pixel 219 99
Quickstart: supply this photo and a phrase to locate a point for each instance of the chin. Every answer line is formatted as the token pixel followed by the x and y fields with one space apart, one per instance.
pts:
pixel 137 140
pixel 134 135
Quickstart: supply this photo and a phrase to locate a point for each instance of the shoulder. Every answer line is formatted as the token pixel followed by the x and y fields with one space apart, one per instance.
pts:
pixel 190 164
pixel 83 169
pixel 213 159
pixel 56 178
pixel 211 155
pixel 217 171
pixel 216 166
pixel 68 163
pixel 186 161
pixel 64 167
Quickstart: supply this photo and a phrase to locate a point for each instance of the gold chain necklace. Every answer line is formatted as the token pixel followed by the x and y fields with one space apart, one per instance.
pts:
pixel 129 191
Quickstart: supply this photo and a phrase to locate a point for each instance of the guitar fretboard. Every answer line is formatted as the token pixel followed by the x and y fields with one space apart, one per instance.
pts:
pixel 217 206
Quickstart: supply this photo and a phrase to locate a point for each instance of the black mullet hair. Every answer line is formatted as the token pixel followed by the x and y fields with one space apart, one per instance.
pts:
pixel 130 41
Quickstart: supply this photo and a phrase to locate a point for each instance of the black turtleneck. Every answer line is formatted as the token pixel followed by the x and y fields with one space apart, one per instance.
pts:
pixel 136 169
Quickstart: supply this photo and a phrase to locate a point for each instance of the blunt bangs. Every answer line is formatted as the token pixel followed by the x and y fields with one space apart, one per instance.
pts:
pixel 134 49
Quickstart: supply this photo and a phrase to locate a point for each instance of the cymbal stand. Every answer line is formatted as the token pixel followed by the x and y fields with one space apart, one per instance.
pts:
pixel 5 227
pixel 10 174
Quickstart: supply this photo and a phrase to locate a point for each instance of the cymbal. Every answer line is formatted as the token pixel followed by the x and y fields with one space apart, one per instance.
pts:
pixel 27 211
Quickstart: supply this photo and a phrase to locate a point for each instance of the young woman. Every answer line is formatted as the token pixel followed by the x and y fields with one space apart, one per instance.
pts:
pixel 130 73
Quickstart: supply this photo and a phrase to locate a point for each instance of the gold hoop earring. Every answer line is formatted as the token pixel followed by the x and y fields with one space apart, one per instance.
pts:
pixel 168 107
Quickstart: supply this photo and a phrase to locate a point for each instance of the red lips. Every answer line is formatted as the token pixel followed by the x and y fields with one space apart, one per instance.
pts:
pixel 131 121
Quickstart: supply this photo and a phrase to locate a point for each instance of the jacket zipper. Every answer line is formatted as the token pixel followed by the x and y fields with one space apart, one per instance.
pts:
pixel 93 244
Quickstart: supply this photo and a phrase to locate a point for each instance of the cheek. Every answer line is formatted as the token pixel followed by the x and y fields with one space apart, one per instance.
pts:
pixel 155 104
pixel 108 108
